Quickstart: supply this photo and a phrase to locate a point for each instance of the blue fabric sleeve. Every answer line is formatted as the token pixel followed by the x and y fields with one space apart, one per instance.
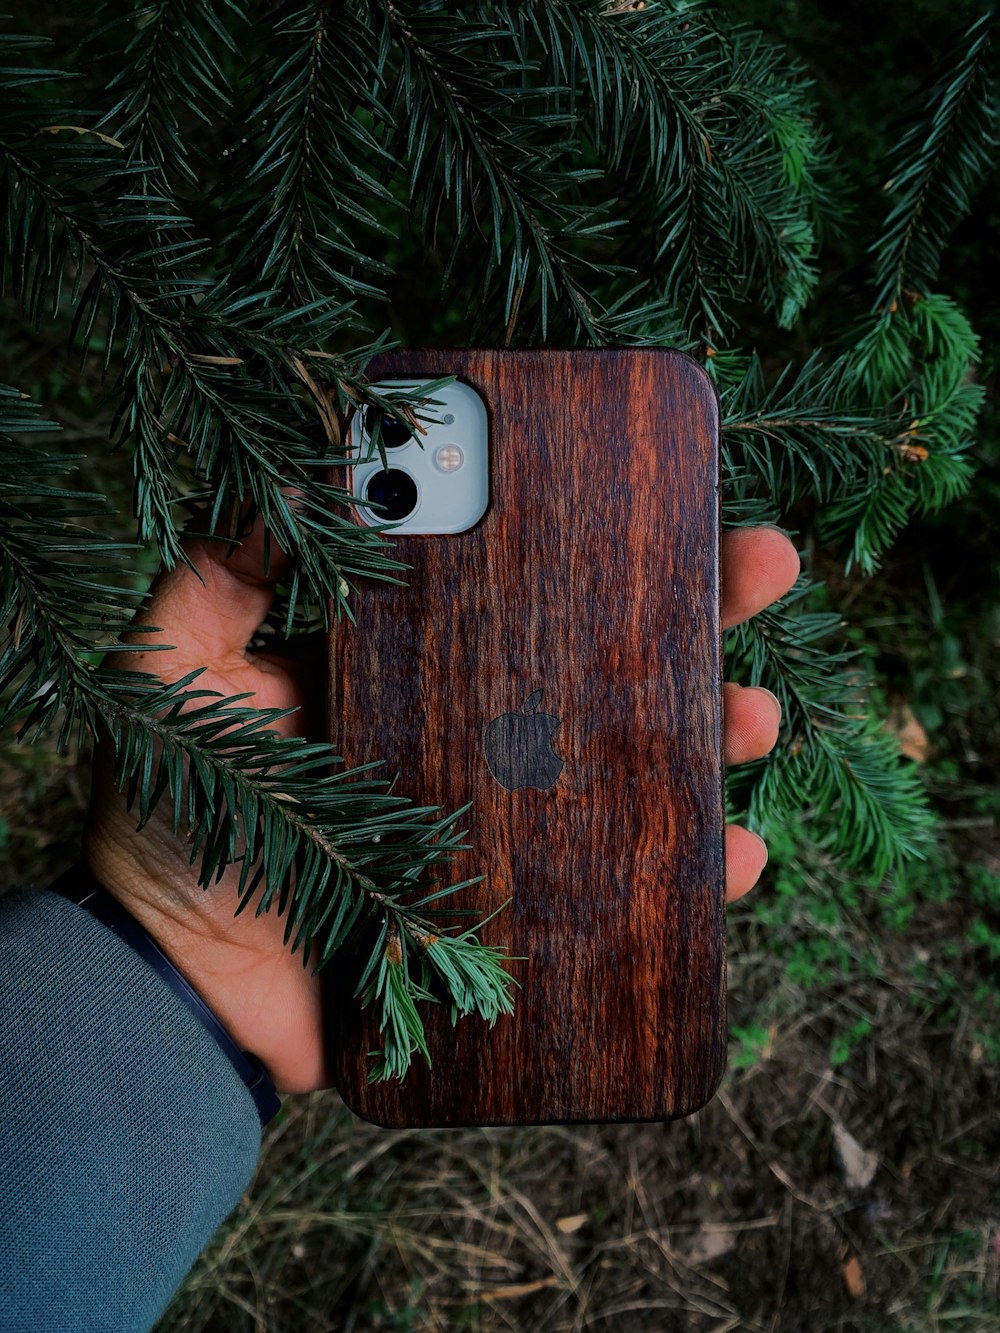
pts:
pixel 127 1136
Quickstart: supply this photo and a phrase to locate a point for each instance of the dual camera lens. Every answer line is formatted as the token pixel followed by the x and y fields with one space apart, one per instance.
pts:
pixel 393 490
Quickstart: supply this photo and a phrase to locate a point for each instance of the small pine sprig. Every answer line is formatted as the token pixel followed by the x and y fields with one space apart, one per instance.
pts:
pixel 945 149
pixel 156 49
pixel 471 974
pixel 311 170
pixel 864 805
pixel 809 435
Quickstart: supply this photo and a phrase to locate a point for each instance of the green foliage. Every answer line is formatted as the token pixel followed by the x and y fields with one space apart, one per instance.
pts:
pixel 917 348
pixel 846 1043
pixel 976 1305
pixel 218 197
pixel 945 148
pixel 917 355
pixel 239 792
pixel 838 759
pixel 160 48
pixel 812 912
pixel 309 174
pixel 753 1045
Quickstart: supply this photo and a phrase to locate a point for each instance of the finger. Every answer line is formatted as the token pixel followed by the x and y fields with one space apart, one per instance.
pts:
pixel 759 565
pixel 746 857
pixel 751 717
pixel 211 608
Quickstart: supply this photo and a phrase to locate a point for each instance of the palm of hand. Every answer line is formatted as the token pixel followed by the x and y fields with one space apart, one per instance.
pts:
pixel 263 994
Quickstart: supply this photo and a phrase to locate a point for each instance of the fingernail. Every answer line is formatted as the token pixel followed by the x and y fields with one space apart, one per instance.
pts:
pixel 761 689
pixel 763 844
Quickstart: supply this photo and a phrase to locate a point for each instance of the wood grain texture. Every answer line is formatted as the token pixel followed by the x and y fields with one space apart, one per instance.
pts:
pixel 594 578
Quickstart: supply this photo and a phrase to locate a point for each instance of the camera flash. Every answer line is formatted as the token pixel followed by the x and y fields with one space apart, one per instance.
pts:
pixel 449 458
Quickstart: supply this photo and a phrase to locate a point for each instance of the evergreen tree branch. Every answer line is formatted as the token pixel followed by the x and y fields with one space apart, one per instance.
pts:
pixel 800 436
pixel 167 62
pixel 945 149
pixel 315 153
pixel 56 605
pixel 459 97
pixel 663 78
pixel 868 808
pixel 326 849
pixel 713 136
pixel 917 358
pixel 189 383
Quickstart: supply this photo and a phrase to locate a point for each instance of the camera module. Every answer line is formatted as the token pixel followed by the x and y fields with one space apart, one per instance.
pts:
pixel 395 491
pixel 390 431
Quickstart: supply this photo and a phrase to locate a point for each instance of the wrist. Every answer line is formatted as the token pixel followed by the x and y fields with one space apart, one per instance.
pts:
pixel 262 995
pixel 79 886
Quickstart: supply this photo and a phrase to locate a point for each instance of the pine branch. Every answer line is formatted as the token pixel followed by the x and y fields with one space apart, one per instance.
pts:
pixel 868 808
pixel 314 156
pixel 190 381
pixel 55 224
pixel 713 134
pixel 52 225
pixel 773 169
pixel 945 150
pixel 871 468
pixel 325 847
pixel 478 132
pixel 471 973
pixel 56 605
pixel 327 850
pixel 864 805
pixel 800 436
pixel 917 358
pixel 167 63
pixel 668 75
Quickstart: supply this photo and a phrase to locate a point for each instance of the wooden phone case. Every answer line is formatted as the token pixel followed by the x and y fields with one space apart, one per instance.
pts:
pixel 593 578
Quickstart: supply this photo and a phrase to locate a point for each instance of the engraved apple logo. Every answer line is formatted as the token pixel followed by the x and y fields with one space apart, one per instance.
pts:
pixel 519 747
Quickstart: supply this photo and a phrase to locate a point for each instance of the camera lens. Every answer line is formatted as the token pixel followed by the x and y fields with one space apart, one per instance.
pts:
pixel 395 491
pixel 392 433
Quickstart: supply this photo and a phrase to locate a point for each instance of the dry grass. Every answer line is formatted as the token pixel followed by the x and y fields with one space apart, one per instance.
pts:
pixel 746 1216
pixel 703 1226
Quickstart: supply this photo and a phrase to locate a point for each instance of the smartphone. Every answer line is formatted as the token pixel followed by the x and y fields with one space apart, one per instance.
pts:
pixel 554 660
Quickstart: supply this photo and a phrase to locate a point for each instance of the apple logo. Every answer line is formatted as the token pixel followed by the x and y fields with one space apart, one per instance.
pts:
pixel 519 747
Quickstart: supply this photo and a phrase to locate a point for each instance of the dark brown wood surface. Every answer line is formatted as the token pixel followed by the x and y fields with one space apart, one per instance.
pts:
pixel 594 578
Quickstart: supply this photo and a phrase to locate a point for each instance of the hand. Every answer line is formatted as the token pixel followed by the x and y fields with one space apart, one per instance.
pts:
pixel 240 966
pixel 759 565
pixel 262 994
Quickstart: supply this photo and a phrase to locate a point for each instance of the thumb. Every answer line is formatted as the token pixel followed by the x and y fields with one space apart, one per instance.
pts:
pixel 209 609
